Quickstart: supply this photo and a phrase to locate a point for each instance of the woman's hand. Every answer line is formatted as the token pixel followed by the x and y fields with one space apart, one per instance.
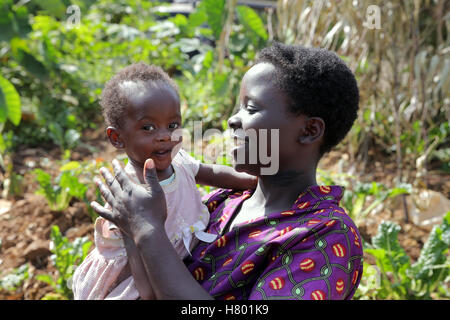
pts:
pixel 134 208
pixel 140 212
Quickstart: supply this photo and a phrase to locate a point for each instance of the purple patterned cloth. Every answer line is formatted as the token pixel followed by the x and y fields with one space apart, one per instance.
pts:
pixel 312 251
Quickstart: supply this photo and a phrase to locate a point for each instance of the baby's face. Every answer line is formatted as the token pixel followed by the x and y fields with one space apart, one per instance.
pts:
pixel 152 116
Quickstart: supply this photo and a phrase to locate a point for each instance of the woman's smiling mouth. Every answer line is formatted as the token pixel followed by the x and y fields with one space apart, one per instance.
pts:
pixel 239 142
pixel 239 137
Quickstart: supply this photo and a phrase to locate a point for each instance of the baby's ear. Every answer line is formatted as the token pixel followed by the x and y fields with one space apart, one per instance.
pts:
pixel 312 131
pixel 114 137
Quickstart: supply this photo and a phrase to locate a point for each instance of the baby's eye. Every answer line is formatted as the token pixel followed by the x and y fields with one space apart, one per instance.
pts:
pixel 148 127
pixel 174 125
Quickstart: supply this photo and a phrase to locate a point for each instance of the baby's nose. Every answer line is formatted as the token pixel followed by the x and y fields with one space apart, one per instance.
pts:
pixel 163 135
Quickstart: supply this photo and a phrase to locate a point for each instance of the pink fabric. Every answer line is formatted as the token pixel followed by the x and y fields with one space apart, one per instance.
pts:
pixel 95 278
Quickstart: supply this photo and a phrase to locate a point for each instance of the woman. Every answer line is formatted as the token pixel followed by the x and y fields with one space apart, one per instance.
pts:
pixel 288 239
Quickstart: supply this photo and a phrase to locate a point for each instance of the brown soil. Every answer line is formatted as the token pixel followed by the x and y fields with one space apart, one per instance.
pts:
pixel 25 228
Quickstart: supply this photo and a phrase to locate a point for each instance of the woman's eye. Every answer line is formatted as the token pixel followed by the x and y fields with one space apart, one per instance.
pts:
pixel 148 127
pixel 174 125
pixel 250 108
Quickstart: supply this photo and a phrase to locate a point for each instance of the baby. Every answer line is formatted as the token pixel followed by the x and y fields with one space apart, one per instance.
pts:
pixel 141 106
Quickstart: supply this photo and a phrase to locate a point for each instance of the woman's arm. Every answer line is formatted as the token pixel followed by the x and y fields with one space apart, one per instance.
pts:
pixel 224 177
pixel 137 268
pixel 169 276
pixel 140 213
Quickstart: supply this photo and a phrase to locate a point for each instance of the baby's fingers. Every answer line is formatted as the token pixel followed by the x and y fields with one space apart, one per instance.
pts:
pixel 102 211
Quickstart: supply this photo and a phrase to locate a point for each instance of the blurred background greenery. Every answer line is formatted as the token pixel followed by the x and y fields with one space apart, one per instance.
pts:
pixel 56 55
pixel 53 67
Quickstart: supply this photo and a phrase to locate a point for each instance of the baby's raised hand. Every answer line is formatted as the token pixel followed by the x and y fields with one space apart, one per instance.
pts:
pixel 134 208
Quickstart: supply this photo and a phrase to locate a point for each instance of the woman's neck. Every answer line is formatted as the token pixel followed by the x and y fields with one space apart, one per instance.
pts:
pixel 281 190
pixel 273 194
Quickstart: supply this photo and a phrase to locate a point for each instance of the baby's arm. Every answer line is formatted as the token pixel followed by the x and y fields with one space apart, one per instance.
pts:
pixel 224 177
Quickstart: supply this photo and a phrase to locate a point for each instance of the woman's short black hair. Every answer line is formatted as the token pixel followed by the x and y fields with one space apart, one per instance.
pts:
pixel 319 84
pixel 114 100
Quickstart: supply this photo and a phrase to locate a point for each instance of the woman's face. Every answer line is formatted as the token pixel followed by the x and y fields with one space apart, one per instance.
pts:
pixel 264 106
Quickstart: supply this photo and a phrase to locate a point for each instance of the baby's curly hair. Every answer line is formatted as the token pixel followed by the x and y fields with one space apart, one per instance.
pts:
pixel 114 100
pixel 319 84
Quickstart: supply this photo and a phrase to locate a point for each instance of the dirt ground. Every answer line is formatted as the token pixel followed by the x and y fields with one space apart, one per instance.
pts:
pixel 25 227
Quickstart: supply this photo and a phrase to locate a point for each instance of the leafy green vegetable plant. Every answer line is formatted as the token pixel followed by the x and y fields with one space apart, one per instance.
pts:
pixel 399 279
pixel 15 279
pixel 9 110
pixel 60 192
pixel 66 256
pixel 433 265
pixel 362 198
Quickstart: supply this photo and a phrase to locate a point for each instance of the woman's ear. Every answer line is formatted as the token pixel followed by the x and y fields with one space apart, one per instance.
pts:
pixel 312 130
pixel 114 137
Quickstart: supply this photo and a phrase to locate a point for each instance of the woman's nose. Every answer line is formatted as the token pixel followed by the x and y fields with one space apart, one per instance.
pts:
pixel 235 122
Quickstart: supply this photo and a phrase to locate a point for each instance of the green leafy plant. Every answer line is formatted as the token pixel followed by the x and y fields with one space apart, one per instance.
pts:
pixel 356 199
pixel 13 186
pixel 9 102
pixel 399 279
pixel 250 20
pixel 361 198
pixel 65 187
pixel 433 265
pixel 15 279
pixel 9 110
pixel 215 15
pixel 66 256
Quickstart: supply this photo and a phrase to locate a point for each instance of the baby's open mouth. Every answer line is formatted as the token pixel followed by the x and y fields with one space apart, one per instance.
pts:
pixel 162 153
